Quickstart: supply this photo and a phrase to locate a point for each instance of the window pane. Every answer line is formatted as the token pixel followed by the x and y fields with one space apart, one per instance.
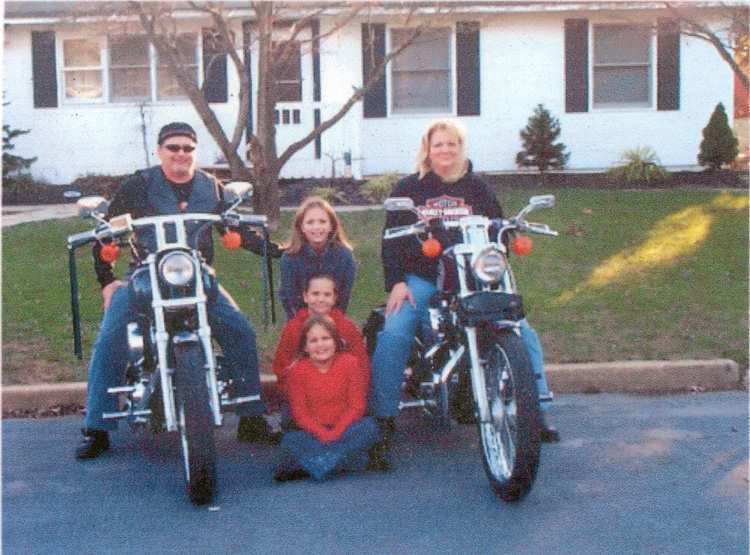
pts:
pixel 128 51
pixel 622 85
pixel 424 91
pixel 83 84
pixel 169 88
pixel 618 44
pixel 81 53
pixel 421 74
pixel 130 85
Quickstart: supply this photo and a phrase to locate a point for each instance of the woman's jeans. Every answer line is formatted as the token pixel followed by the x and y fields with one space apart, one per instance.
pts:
pixel 350 452
pixel 395 342
pixel 109 359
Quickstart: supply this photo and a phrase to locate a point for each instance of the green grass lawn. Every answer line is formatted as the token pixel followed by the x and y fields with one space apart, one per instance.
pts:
pixel 633 275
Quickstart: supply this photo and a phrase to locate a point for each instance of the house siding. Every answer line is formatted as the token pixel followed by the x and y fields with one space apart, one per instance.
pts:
pixel 521 64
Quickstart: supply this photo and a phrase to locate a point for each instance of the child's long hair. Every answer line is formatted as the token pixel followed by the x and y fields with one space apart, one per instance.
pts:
pixel 297 240
pixel 317 320
pixel 453 127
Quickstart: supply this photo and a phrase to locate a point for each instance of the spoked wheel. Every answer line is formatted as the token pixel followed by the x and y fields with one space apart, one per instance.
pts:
pixel 510 438
pixel 195 424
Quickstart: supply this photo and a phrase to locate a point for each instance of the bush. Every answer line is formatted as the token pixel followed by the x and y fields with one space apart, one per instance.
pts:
pixel 11 162
pixel 639 164
pixel 379 188
pixel 538 139
pixel 719 145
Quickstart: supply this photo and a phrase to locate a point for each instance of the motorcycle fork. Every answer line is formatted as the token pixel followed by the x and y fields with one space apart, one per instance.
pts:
pixel 162 339
pixel 478 384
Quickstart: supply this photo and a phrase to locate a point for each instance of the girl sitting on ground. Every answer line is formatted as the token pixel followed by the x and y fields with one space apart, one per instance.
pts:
pixel 327 394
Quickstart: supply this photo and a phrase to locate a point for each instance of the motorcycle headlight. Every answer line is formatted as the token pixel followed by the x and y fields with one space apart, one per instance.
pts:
pixel 177 268
pixel 490 266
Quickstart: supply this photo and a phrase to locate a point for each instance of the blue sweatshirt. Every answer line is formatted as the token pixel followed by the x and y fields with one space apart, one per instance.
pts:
pixel 335 260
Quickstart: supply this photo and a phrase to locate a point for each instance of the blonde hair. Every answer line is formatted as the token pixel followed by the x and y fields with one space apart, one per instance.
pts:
pixel 453 127
pixel 297 239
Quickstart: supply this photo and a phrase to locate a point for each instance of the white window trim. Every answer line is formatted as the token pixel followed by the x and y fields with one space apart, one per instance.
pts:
pixel 452 75
pixel 652 77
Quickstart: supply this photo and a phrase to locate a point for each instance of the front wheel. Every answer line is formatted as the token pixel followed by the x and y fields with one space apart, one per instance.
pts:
pixel 510 437
pixel 195 424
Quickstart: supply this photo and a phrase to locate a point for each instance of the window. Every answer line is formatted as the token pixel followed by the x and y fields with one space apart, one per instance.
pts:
pixel 129 67
pixel 421 74
pixel 622 71
pixel 288 72
pixel 82 69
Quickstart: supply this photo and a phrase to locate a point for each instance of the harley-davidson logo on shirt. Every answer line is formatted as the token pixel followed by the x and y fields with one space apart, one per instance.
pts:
pixel 445 208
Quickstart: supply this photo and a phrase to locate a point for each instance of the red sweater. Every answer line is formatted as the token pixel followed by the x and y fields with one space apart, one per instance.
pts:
pixel 326 403
pixel 286 352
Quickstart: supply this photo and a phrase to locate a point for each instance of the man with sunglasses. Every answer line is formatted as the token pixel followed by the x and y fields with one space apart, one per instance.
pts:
pixel 174 186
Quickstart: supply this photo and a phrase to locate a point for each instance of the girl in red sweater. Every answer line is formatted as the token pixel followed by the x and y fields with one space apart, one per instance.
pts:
pixel 327 394
pixel 320 297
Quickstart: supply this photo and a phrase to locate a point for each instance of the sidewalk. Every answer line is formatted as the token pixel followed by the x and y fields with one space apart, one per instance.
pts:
pixel 628 377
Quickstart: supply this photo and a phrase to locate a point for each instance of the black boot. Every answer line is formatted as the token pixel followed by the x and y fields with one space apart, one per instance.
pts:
pixel 93 444
pixel 548 434
pixel 378 460
pixel 289 473
pixel 255 429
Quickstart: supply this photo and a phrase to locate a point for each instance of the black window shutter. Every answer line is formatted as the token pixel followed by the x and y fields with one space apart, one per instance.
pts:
pixel 44 69
pixel 467 68
pixel 214 68
pixel 373 53
pixel 315 26
pixel 668 65
pixel 576 65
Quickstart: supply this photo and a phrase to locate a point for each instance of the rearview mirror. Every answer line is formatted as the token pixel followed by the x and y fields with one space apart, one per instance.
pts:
pixel 542 201
pixel 89 206
pixel 238 189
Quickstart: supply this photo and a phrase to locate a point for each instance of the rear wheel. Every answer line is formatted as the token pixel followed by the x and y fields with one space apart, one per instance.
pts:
pixel 510 438
pixel 195 424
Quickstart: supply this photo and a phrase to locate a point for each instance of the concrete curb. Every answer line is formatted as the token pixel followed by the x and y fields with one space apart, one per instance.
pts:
pixel 629 377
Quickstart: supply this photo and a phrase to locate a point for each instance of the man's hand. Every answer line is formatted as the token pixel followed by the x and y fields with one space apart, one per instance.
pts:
pixel 109 290
pixel 399 294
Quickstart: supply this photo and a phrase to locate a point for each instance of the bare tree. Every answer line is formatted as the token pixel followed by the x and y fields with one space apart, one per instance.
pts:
pixel 730 40
pixel 159 22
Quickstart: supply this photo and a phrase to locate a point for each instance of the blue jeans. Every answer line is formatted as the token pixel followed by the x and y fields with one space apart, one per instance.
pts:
pixel 321 460
pixel 109 359
pixel 395 343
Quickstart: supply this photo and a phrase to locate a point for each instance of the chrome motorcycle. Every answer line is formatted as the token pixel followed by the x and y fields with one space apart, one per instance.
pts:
pixel 470 362
pixel 174 380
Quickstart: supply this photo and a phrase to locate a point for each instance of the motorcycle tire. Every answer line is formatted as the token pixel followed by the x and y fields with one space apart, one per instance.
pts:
pixel 510 439
pixel 195 424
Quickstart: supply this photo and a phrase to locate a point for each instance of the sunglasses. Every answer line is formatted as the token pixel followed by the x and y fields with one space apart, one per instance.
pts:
pixel 177 148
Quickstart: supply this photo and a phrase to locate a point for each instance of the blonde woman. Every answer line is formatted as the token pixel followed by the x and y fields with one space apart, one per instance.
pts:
pixel 443 185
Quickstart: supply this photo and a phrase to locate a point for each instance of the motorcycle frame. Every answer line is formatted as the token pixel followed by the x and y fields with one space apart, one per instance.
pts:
pixel 159 305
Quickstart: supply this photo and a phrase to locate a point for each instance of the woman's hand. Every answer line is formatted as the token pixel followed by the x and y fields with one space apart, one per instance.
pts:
pixel 399 294
pixel 109 290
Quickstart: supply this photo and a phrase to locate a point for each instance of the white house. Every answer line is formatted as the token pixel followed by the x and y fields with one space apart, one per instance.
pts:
pixel 615 74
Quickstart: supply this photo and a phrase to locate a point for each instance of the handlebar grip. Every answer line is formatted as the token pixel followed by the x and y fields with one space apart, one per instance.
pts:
pixel 404 230
pixel 80 239
pixel 256 220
